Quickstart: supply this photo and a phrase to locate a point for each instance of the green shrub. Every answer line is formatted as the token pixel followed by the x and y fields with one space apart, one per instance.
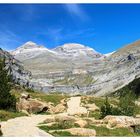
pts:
pixel 62 134
pixel 106 109
pixel 126 106
pixel 6 115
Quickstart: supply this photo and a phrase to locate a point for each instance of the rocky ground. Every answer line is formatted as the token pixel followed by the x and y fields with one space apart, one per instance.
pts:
pixel 70 116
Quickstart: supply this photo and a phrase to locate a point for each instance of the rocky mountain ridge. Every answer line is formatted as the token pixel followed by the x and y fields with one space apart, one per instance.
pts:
pixel 77 69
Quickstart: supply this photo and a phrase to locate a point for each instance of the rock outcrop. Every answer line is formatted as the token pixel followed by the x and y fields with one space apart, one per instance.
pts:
pixel 31 105
pixel 121 121
pixel 16 69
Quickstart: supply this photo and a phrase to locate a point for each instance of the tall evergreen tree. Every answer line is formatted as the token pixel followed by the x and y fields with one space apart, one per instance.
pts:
pixel 7 101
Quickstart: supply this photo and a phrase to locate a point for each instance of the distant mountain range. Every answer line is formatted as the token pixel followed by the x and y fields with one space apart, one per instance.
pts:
pixel 77 69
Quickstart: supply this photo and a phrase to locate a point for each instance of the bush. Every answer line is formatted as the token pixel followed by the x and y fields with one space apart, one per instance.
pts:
pixel 126 106
pixel 7 101
pixel 106 109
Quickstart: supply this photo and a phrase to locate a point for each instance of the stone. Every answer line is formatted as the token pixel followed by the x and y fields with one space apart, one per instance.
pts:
pixel 74 107
pixel 81 123
pixel 138 116
pixel 82 131
pixel 59 108
pixel 137 103
pixel 49 119
pixel 64 117
pixel 63 102
pixel 25 95
pixel 120 121
pixel 92 107
pixel 31 105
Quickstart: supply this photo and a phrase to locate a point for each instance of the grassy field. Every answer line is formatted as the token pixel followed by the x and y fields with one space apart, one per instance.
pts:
pixel 103 131
pixel 53 97
pixel 6 115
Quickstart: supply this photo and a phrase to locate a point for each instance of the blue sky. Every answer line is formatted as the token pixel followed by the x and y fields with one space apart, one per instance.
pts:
pixel 104 27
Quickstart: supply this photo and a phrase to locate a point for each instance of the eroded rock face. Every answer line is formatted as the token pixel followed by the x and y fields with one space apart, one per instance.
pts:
pixel 61 70
pixel 16 69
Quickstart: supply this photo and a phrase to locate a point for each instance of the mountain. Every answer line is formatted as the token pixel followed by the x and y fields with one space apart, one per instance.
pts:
pixel 65 58
pixel 76 50
pixel 16 69
pixel 77 69
pixel 29 50
pixel 132 48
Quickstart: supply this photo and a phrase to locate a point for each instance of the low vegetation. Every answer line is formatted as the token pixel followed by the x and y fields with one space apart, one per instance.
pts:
pixel 62 134
pixel 77 80
pixel 126 106
pixel 7 100
pixel 6 115
pixel 103 131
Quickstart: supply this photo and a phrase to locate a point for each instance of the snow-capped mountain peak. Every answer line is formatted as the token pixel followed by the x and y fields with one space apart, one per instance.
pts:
pixel 75 49
pixel 28 47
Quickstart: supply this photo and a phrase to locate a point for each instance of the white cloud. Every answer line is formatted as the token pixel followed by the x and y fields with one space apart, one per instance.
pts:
pixel 76 10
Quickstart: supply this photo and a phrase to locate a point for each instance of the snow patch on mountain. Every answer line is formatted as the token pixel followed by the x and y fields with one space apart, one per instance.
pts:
pixel 109 54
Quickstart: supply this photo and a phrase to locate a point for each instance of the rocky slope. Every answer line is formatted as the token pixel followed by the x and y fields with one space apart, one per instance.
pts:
pixel 16 69
pixel 78 69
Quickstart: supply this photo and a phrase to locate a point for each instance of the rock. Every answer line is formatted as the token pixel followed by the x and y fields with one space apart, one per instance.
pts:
pixel 50 119
pixel 31 105
pixel 81 123
pixel 59 108
pixel 25 112
pixel 138 116
pixel 25 95
pixel 65 117
pixel 121 121
pixel 92 107
pixel 82 131
pixel 137 103
pixel 74 107
pixel 63 102
pixel 48 124
pixel 94 121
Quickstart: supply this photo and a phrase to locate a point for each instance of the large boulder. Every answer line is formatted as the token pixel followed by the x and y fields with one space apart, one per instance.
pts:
pixel 77 111
pixel 59 108
pixel 81 123
pixel 121 121
pixel 31 105
pixel 64 117
pixel 82 132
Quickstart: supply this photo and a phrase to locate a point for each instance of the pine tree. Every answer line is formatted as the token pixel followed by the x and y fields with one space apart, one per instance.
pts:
pixel 106 109
pixel 7 101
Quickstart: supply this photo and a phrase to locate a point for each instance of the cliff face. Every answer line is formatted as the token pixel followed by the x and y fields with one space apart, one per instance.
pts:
pixel 74 68
pixel 16 69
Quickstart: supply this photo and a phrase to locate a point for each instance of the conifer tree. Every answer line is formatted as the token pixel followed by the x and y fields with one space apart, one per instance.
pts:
pixel 7 101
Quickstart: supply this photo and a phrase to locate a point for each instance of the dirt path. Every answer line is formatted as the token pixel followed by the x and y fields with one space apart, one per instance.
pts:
pixel 24 126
